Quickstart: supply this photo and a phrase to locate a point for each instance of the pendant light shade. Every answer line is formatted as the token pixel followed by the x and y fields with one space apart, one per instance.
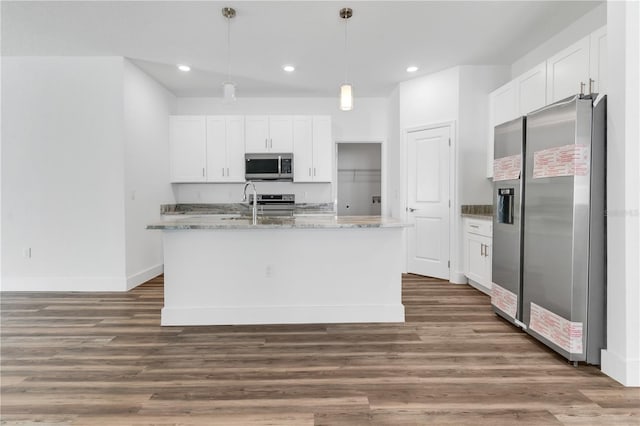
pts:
pixel 346 90
pixel 228 87
pixel 346 97
pixel 229 91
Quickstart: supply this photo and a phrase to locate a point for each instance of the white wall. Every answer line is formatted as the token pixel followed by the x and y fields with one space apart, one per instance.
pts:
pixel 147 106
pixel 366 122
pixel 621 359
pixel 473 130
pixel 391 199
pixel 584 26
pixel 62 173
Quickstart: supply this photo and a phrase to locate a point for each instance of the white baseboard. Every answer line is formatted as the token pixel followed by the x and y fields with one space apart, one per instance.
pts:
pixel 625 371
pixel 281 315
pixel 144 276
pixel 63 284
pixel 486 290
pixel 457 278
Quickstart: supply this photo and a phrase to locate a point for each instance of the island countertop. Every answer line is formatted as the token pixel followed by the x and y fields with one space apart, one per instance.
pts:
pixel 272 222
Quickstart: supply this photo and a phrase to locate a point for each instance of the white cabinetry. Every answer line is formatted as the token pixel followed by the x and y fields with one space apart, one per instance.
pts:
pixel 187 148
pixel 225 149
pixel 265 133
pixel 312 149
pixel 598 60
pixel 477 252
pixel 206 149
pixel 503 107
pixel 566 70
pixel 532 89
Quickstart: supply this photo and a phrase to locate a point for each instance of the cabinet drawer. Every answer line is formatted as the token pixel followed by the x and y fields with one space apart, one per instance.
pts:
pixel 480 227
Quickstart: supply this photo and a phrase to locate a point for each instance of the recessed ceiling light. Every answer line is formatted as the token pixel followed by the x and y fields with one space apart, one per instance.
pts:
pixel 289 68
pixel 412 69
pixel 184 68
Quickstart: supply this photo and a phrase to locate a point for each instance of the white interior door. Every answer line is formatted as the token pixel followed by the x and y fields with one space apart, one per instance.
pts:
pixel 428 201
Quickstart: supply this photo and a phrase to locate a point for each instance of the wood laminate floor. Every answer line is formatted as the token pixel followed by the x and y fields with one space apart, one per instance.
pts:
pixel 102 358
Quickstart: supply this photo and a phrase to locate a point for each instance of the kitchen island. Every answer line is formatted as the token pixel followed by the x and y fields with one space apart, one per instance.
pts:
pixel 282 270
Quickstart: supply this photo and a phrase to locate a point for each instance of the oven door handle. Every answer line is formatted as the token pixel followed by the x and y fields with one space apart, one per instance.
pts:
pixel 279 165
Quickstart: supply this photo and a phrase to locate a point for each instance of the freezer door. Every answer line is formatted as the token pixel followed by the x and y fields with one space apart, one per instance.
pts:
pixel 507 220
pixel 556 226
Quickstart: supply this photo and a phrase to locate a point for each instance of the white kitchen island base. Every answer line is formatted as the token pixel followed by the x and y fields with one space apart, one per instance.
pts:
pixel 282 275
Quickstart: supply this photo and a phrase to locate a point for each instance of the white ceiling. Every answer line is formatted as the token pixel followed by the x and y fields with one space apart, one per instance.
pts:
pixel 383 38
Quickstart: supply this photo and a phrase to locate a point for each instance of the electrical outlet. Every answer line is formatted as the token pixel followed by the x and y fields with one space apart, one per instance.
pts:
pixel 27 253
pixel 268 272
pixel 133 195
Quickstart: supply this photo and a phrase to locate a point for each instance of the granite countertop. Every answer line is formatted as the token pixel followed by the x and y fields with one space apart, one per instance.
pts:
pixel 479 211
pixel 273 222
pixel 239 208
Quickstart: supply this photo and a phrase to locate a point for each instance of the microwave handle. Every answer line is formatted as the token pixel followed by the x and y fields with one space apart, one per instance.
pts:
pixel 279 164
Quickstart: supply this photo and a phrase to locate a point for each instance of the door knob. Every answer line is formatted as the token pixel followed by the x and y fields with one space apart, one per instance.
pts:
pixel 411 209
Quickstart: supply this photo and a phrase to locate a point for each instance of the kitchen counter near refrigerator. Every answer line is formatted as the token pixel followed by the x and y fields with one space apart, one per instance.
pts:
pixel 283 270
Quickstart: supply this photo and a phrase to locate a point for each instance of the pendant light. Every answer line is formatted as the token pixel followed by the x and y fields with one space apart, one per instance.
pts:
pixel 228 87
pixel 346 91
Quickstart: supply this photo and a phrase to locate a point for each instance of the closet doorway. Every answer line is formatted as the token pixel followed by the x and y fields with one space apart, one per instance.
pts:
pixel 359 179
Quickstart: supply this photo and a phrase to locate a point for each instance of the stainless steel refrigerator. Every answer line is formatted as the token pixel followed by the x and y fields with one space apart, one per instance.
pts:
pixel 506 265
pixel 563 246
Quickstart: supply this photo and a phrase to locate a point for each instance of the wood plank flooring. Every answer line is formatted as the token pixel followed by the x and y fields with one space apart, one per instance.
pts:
pixel 103 359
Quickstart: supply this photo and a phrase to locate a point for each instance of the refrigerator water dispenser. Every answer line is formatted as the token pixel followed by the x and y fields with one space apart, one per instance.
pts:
pixel 505 205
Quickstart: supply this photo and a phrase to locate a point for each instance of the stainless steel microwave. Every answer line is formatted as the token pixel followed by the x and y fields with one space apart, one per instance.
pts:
pixel 278 167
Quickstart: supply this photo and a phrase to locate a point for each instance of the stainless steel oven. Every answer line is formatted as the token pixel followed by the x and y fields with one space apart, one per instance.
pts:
pixel 273 167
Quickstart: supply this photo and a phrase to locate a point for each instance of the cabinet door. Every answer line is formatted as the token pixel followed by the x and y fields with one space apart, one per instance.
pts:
pixel 532 89
pixel 475 264
pixel 281 133
pixel 216 149
pixel 235 149
pixel 598 60
pixel 256 133
pixel 187 148
pixel 322 149
pixel 302 149
pixel 503 106
pixel 487 274
pixel 566 70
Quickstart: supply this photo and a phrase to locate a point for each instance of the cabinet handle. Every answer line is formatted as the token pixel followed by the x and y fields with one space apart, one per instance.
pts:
pixel 270 143
pixel 474 226
pixel 309 171
pixel 314 171
pixel 227 171
pixel 223 171
pixel 266 143
pixel 203 172
pixel 482 250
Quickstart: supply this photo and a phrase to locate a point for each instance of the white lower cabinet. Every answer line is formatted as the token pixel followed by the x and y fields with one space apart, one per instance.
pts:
pixel 477 252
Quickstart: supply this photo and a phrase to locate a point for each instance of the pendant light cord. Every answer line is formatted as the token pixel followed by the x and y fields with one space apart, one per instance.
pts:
pixel 346 56
pixel 228 48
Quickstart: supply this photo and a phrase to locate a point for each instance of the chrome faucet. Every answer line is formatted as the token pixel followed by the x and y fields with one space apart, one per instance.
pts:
pixel 255 200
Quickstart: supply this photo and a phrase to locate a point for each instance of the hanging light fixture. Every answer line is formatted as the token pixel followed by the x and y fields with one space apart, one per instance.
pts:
pixel 346 91
pixel 228 87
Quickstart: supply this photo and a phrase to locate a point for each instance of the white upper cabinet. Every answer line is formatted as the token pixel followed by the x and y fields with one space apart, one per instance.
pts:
pixel 503 107
pixel 302 149
pixel 312 149
pixel 505 103
pixel 187 148
pixel 532 89
pixel 567 70
pixel 322 149
pixel 598 60
pixel 225 149
pixel 268 133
